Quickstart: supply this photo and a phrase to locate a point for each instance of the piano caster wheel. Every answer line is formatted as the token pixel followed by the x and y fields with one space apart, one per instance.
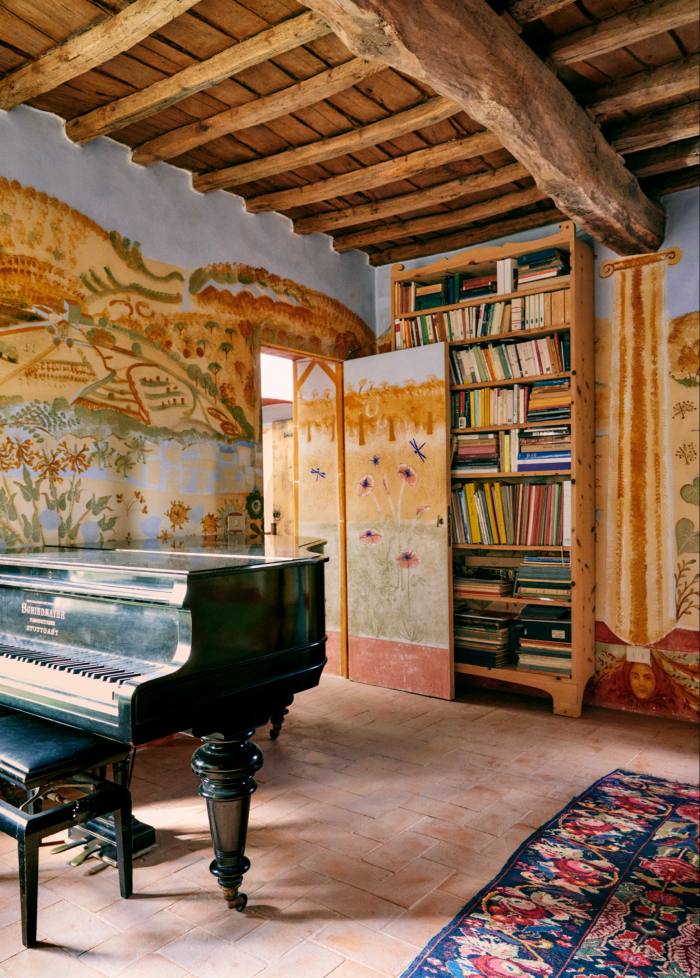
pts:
pixel 276 721
pixel 235 900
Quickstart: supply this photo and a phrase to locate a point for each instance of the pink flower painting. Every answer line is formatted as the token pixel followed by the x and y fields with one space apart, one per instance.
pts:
pixel 365 485
pixel 407 474
pixel 407 559
pixel 370 536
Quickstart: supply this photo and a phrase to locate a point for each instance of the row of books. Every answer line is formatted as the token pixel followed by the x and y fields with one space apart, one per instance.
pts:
pixel 536 514
pixel 529 450
pixel 510 273
pixel 544 577
pixel 541 310
pixel 507 361
pixel 537 639
pixel 541 401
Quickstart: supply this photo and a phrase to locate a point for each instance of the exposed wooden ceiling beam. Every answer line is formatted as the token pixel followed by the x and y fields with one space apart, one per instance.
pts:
pixel 674 157
pixel 680 122
pixel 671 183
pixel 524 11
pixel 635 24
pixel 636 92
pixel 89 49
pixel 425 114
pixel 389 231
pixel 417 200
pixel 464 50
pixel 365 178
pixel 283 37
pixel 309 92
pixel 463 239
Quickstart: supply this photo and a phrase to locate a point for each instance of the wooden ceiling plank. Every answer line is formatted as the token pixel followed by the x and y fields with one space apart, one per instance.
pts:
pixel 463 239
pixel 635 24
pixel 398 168
pixel 680 122
pixel 673 182
pixel 465 51
pixel 260 110
pixel 89 49
pixel 636 92
pixel 438 222
pixel 674 157
pixel 419 199
pixel 197 77
pixel 525 11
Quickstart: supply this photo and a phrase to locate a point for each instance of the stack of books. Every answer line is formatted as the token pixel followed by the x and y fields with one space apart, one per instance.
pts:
pixel 544 643
pixel 539 265
pixel 533 514
pixel 543 449
pixel 485 638
pixel 430 295
pixel 472 288
pixel 506 361
pixel 544 578
pixel 550 400
pixel 506 273
pixel 483 587
pixel 475 454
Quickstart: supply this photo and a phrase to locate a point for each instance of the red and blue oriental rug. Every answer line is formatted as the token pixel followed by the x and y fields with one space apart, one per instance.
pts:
pixel 608 888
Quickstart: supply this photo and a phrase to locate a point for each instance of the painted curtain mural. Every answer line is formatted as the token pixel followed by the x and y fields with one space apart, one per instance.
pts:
pixel 129 392
pixel 395 461
pixel 318 389
pixel 648 494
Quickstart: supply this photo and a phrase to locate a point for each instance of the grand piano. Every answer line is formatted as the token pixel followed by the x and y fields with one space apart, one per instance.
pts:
pixel 139 641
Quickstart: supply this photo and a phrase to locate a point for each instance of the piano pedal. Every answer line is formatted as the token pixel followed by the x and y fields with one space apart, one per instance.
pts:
pixel 67 845
pixel 99 834
pixel 87 851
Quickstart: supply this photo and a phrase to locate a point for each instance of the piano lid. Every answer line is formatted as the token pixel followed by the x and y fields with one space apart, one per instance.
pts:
pixel 142 570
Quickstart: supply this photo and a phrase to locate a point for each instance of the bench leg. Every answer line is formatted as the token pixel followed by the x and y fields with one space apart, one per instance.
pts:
pixel 122 827
pixel 28 852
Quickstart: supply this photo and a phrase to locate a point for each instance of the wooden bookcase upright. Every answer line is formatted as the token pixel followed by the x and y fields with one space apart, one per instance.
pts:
pixel 566 692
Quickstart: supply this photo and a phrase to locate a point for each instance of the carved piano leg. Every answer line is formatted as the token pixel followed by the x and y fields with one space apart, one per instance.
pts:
pixel 277 718
pixel 226 764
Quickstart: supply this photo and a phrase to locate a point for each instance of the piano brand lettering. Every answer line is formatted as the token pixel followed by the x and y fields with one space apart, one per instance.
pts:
pixel 37 613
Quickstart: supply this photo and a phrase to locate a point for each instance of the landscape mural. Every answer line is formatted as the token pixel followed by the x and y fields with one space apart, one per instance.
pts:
pixel 395 460
pixel 648 494
pixel 129 392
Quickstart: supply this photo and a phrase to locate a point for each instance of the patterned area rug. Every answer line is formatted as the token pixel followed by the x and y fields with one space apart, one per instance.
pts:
pixel 608 888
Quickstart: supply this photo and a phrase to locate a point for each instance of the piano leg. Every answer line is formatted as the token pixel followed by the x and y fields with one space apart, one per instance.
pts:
pixel 226 764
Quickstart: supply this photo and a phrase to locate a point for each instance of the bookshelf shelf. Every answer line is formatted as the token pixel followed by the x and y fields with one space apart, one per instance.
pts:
pixel 471 476
pixel 548 285
pixel 512 599
pixel 510 382
pixel 520 547
pixel 510 427
pixel 554 505
pixel 513 334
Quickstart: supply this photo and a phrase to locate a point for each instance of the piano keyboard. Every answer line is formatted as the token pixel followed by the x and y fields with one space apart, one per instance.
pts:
pixel 92 677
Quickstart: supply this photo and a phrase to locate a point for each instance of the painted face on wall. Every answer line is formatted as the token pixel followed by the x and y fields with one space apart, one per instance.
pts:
pixel 642 681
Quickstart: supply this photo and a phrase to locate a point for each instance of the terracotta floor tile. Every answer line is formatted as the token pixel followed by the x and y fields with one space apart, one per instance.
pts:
pixel 153 966
pixel 413 882
pixel 124 949
pixel 397 853
pixel 296 923
pixel 346 869
pixel 76 930
pixel 201 954
pixel 304 961
pixel 369 910
pixel 460 835
pixel 386 954
pixel 425 918
pixel 351 969
pixel 46 962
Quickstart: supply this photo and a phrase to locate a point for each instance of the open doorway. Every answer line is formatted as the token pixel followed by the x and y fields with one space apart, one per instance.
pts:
pixel 303 470
pixel 277 395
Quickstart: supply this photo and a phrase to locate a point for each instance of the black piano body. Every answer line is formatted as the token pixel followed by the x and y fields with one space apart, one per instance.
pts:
pixel 139 641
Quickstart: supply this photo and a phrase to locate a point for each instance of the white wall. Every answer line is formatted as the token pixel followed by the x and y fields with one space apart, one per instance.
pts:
pixel 157 207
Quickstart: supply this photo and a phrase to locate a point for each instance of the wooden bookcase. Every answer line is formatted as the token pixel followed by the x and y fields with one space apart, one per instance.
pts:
pixel 566 691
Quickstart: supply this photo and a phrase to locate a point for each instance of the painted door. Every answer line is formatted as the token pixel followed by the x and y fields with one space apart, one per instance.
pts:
pixel 319 489
pixel 398 561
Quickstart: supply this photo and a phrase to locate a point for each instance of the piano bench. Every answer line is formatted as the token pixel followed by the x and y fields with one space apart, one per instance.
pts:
pixel 39 758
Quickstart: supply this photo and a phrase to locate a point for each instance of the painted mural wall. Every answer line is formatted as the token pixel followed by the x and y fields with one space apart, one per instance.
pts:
pixel 647 464
pixel 129 380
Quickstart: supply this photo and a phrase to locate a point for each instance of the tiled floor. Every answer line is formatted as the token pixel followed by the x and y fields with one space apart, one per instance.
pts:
pixel 377 816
